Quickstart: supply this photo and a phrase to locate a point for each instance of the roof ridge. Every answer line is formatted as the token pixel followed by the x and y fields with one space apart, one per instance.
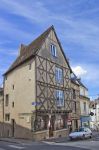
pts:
pixel 30 50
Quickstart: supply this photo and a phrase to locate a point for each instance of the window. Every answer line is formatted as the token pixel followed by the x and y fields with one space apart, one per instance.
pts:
pixel 6 77
pixel 53 50
pixel 7 117
pixel 74 107
pixel 30 66
pixel 59 98
pixel 60 122
pixel 7 100
pixel 40 123
pixel 12 104
pixel 84 106
pixel 58 75
pixel 74 94
pixel 13 86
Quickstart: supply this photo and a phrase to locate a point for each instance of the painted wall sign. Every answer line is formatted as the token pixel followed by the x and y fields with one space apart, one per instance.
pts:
pixel 36 103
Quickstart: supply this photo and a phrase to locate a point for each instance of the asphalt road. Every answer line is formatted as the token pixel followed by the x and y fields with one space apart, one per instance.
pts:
pixel 88 144
pixel 35 146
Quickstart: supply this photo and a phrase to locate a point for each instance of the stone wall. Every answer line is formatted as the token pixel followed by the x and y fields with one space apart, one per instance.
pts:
pixel 61 133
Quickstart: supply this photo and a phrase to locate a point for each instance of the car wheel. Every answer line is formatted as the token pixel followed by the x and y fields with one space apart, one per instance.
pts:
pixel 83 136
pixel 90 135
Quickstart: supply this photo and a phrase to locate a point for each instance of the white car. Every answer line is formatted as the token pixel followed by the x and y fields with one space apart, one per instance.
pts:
pixel 81 133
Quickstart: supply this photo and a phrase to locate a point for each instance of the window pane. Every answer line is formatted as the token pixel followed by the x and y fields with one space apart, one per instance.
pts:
pixel 59 75
pixel 53 50
pixel 7 117
pixel 6 100
pixel 59 98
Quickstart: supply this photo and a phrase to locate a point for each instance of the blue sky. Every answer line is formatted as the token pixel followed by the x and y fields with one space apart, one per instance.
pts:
pixel 77 26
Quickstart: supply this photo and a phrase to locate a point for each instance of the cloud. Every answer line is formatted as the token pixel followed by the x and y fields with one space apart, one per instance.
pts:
pixel 71 24
pixel 79 71
pixel 9 52
pixel 10 30
pixel 33 10
pixel 79 31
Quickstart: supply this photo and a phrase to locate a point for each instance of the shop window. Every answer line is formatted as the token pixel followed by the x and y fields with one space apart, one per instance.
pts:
pixel 59 122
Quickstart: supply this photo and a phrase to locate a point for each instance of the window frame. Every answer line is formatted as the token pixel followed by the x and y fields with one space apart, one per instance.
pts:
pixel 74 93
pixel 59 77
pixel 12 104
pixel 7 117
pixel 74 106
pixel 53 50
pixel 85 108
pixel 7 100
pixel 60 98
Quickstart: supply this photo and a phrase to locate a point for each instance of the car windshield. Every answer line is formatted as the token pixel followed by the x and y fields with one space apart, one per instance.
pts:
pixel 81 130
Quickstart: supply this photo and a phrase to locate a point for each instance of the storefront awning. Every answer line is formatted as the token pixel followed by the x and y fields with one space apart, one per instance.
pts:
pixel 85 118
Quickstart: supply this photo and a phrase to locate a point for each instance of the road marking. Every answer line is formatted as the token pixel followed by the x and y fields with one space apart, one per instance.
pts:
pixel 17 147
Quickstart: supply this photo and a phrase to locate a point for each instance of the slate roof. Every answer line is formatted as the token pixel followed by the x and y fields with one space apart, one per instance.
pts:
pixel 74 81
pixel 79 81
pixel 29 51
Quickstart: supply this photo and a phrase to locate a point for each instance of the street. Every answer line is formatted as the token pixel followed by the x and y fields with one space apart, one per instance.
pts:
pixel 35 146
pixel 86 144
pixel 52 144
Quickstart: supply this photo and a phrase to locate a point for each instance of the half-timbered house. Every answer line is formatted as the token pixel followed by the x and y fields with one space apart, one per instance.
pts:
pixel 37 92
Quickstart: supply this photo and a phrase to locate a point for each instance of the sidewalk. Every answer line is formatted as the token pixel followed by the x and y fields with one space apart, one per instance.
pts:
pixel 56 140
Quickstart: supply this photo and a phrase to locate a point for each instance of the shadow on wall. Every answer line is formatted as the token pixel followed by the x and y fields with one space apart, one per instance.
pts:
pixel 7 130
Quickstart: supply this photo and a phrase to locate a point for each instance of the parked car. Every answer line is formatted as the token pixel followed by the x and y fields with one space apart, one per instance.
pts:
pixel 81 133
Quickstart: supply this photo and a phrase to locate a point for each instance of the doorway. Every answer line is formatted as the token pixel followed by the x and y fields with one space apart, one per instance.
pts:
pixel 13 127
pixel 51 127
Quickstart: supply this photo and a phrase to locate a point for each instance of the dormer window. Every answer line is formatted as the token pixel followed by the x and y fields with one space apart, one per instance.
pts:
pixel 53 50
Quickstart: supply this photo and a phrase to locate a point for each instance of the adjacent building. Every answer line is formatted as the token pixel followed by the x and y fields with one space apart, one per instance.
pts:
pixel 84 105
pixel 94 113
pixel 37 92
pixel 1 104
pixel 41 98
pixel 1 112
pixel 75 115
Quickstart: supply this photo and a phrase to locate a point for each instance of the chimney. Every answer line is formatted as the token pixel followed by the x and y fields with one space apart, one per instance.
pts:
pixel 21 49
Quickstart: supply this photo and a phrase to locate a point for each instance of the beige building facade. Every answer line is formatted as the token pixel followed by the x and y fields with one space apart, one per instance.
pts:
pixel 84 105
pixel 94 112
pixel 1 112
pixel 75 115
pixel 37 92
pixel 1 104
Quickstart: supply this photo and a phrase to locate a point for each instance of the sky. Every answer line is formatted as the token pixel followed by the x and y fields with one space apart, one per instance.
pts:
pixel 77 26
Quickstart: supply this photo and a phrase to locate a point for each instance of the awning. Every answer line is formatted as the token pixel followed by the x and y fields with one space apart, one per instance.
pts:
pixel 85 118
